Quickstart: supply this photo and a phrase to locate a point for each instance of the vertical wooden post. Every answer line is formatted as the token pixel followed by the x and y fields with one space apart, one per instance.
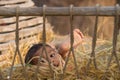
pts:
pixel 118 2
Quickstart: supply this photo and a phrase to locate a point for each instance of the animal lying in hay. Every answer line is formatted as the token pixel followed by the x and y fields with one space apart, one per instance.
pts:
pixel 54 51
pixel 82 53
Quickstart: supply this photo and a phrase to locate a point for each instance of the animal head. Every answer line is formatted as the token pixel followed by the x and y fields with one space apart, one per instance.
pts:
pixel 37 50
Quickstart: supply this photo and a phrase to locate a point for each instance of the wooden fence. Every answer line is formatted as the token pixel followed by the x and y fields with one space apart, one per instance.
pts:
pixel 61 11
pixel 28 24
pixel 70 11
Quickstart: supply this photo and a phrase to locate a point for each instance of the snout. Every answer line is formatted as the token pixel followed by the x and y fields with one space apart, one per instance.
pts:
pixel 56 63
pixel 59 62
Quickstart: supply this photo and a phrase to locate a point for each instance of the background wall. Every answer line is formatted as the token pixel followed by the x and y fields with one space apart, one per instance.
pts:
pixel 86 24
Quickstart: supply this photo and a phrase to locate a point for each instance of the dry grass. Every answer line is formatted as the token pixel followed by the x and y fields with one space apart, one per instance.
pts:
pixel 103 52
pixel 6 60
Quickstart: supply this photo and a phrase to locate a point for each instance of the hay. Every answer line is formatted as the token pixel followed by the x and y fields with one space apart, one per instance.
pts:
pixel 43 71
pixel 103 52
pixel 7 57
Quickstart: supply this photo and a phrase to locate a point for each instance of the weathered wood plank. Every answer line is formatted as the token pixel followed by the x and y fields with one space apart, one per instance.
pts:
pixel 6 46
pixel 13 19
pixel 57 11
pixel 22 24
pixel 26 4
pixel 22 33
pixel 11 2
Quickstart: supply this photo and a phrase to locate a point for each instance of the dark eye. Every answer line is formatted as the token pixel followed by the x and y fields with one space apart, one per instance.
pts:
pixel 42 61
pixel 52 55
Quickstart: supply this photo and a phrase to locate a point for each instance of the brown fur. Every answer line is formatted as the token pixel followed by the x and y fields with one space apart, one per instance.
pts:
pixel 53 55
pixel 38 50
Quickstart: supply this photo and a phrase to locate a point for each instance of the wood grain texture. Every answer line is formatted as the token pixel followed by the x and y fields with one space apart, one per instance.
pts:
pixel 59 11
pixel 6 46
pixel 28 3
pixel 8 20
pixel 22 33
pixel 12 2
pixel 22 24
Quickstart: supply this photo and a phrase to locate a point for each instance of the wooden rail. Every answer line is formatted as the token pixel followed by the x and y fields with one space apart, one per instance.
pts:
pixel 60 11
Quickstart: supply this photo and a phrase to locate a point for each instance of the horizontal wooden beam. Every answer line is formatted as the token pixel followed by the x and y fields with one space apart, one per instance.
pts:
pixel 59 11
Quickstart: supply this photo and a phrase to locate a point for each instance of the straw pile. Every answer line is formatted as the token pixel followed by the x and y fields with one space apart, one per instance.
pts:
pixel 103 52
pixel 31 70
pixel 7 57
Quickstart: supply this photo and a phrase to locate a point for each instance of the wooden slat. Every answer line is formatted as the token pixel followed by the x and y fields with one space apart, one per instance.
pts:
pixel 27 4
pixel 13 19
pixel 22 33
pixel 11 2
pixel 22 24
pixel 6 46
pixel 30 39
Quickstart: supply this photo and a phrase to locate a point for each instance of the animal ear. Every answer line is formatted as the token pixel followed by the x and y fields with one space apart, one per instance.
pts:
pixel 31 52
